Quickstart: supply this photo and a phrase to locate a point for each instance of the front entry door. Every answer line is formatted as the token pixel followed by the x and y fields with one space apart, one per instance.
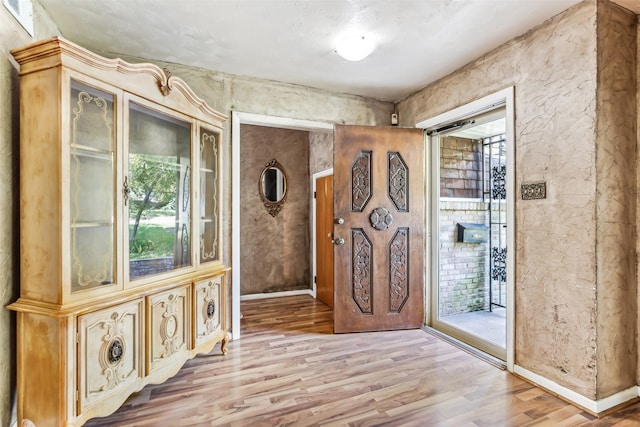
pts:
pixel 379 226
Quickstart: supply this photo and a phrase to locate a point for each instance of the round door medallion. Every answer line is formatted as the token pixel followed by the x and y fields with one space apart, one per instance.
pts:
pixel 380 219
pixel 115 351
pixel 211 309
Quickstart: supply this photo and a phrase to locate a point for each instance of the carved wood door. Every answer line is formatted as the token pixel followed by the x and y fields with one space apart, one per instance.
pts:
pixel 379 197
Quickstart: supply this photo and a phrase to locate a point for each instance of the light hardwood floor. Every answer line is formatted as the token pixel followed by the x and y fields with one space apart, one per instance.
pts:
pixel 288 369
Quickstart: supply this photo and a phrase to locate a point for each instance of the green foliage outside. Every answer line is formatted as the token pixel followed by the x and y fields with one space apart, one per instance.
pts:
pixel 153 187
pixel 151 241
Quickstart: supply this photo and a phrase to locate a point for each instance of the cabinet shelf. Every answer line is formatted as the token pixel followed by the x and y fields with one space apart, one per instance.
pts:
pixel 85 149
pixel 91 224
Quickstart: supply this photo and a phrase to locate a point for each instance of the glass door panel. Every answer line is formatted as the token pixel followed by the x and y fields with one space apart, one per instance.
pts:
pixel 92 187
pixel 159 201
pixel 471 219
pixel 209 187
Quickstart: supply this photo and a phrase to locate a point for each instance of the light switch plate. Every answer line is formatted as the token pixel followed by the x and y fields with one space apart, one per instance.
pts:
pixel 534 190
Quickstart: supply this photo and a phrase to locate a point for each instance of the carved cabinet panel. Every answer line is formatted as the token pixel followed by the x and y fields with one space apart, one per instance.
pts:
pixel 207 308
pixel 110 358
pixel 168 326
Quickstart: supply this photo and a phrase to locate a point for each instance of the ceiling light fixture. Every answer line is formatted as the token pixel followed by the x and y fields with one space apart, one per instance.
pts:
pixel 355 48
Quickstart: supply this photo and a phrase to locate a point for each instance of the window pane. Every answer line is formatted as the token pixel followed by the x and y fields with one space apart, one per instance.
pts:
pixel 159 201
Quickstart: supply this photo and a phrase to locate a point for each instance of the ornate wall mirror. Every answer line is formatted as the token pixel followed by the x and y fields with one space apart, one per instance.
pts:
pixel 273 187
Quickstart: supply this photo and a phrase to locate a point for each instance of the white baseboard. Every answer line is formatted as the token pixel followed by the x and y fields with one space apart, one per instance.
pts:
pixel 594 406
pixel 276 294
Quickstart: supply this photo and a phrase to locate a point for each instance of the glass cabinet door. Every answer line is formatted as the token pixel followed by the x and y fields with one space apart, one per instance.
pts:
pixel 159 189
pixel 209 188
pixel 92 181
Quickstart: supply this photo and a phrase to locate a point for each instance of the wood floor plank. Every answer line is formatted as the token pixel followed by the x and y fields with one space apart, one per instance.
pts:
pixel 289 369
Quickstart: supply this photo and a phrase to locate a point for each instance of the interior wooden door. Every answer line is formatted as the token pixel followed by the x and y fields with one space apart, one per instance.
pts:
pixel 379 232
pixel 324 239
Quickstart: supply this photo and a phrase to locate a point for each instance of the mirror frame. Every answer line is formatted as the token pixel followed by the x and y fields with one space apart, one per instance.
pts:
pixel 273 207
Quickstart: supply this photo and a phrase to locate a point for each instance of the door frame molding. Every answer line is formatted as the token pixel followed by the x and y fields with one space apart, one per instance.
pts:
pixel 314 238
pixel 506 97
pixel 241 118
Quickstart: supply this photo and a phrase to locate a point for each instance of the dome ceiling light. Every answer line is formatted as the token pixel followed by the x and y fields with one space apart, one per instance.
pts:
pixel 355 48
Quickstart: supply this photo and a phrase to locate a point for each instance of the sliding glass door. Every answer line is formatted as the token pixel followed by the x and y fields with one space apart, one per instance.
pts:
pixel 469 230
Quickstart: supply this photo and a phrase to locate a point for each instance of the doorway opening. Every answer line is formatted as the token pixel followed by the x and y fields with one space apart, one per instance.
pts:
pixel 470 197
pixel 322 235
pixel 472 229
pixel 238 119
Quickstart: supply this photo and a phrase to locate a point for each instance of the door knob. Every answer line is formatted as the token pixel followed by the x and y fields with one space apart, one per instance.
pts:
pixel 339 241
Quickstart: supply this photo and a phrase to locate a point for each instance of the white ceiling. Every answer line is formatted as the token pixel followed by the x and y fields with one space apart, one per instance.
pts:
pixel 293 41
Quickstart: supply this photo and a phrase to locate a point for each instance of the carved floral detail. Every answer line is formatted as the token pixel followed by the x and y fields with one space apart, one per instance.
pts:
pixel 399 270
pixel 113 351
pixel 211 309
pixel 398 181
pixel 169 327
pixel 164 83
pixel 361 181
pixel 361 278
pixel 208 296
pixel 380 218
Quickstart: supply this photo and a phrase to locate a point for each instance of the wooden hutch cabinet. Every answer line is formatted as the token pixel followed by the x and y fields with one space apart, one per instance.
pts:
pixel 121 273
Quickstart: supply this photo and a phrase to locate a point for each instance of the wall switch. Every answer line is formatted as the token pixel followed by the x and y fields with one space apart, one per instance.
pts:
pixel 394 119
pixel 533 190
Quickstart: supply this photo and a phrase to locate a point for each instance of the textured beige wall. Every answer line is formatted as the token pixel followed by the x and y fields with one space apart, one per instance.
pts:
pixel 568 267
pixel 553 68
pixel 320 151
pixel 615 192
pixel 274 251
pixel 12 35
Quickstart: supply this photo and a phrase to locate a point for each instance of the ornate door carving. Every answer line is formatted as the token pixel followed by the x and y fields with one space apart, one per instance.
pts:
pixel 379 192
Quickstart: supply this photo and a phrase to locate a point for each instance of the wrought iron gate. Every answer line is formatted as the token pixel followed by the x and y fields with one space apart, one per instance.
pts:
pixel 495 194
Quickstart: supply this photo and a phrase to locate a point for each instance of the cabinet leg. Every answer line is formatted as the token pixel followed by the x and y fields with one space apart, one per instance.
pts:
pixel 223 345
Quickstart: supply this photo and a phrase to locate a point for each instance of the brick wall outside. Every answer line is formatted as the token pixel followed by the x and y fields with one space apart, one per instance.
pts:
pixel 464 267
pixel 460 167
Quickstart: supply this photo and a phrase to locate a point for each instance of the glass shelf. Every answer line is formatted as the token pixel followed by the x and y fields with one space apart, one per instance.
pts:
pixel 91 224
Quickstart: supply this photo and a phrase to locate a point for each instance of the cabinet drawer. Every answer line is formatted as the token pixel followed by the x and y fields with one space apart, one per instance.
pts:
pixel 111 349
pixel 208 308
pixel 169 325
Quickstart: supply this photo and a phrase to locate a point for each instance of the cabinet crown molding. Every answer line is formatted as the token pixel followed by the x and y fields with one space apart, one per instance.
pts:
pixel 32 58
